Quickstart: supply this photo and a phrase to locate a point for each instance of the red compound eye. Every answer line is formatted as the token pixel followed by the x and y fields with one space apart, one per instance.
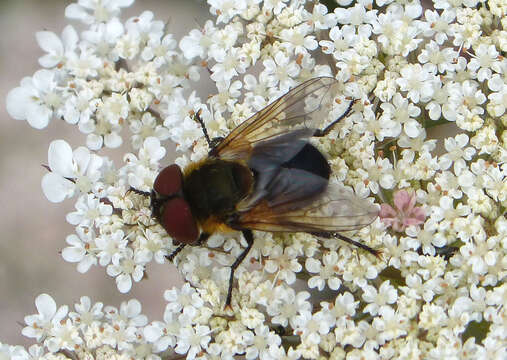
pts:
pixel 168 181
pixel 178 221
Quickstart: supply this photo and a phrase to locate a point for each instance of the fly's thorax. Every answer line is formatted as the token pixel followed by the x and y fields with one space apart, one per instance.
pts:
pixel 213 187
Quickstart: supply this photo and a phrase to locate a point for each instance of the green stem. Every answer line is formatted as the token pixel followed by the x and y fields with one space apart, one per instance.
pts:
pixel 432 123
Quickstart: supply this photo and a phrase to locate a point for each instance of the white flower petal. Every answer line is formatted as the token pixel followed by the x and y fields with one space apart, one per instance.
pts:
pixel 94 141
pixel 37 115
pixel 16 101
pixel 82 158
pixel 60 158
pixel 72 254
pixel 49 42
pixel 86 264
pixel 312 265
pixel 74 218
pixel 152 333
pixel 73 240
pixel 124 3
pixel 334 283
pixel 46 306
pixel 75 11
pixel 133 308
pixel 49 60
pixel 113 140
pixel 43 80
pixel 56 188
pixel 114 28
pixel 124 283
pixel 412 128
pixel 69 37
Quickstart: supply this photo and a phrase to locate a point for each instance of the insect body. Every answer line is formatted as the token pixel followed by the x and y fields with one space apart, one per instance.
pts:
pixel 265 175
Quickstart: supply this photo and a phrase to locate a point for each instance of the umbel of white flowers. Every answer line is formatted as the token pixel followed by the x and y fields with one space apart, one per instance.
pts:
pixel 439 289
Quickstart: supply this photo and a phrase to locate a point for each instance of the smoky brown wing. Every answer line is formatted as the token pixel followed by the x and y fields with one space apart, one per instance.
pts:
pixel 298 113
pixel 335 210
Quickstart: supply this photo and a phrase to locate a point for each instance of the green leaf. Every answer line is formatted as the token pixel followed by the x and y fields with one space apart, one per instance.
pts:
pixel 477 330
pixel 393 274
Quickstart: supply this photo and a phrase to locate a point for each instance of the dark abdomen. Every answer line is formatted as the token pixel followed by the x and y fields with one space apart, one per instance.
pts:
pixel 310 159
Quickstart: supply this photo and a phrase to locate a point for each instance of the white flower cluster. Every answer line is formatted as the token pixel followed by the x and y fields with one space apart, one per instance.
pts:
pixel 439 289
pixel 91 331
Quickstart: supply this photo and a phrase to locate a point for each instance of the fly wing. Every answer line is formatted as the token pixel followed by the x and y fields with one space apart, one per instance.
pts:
pixel 336 209
pixel 283 125
pixel 291 199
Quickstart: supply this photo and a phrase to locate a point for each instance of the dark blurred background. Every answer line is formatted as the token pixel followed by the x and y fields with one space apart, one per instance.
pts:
pixel 33 230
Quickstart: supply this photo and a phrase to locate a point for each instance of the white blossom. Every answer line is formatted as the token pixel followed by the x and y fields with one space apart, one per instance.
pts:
pixel 424 138
pixel 36 99
pixel 70 171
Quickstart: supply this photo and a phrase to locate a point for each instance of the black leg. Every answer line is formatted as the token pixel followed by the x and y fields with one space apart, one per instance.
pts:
pixel 155 203
pixel 139 192
pixel 213 146
pixel 215 142
pixel 172 255
pixel 212 143
pixel 329 235
pixel 249 239
pixel 445 251
pixel 327 129
pixel 203 127
pixel 202 238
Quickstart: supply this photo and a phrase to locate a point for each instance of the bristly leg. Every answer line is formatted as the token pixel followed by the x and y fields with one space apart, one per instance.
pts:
pixel 249 239
pixel 197 117
pixel 330 235
pixel 172 255
pixel 327 129
pixel 202 238
pixel 212 143
pixel 139 192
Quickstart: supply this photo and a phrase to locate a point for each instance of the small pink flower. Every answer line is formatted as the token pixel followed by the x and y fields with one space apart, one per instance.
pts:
pixel 405 214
